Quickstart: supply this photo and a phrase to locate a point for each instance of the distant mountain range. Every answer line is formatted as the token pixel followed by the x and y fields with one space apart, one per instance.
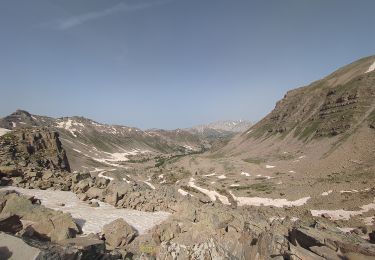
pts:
pixel 91 143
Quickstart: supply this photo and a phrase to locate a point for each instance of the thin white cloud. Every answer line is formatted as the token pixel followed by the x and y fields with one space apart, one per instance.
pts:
pixel 73 21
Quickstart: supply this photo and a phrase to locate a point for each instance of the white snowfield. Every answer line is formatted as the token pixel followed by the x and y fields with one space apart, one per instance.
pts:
pixel 3 131
pixel 92 219
pixel 257 201
pixel 371 68
pixel 343 214
pixel 245 174
pixel 213 195
pixel 112 158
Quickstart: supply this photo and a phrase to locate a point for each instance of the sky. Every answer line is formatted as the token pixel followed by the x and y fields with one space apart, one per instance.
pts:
pixel 172 63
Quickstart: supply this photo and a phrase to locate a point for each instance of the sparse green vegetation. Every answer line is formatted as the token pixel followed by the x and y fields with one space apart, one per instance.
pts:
pixel 262 187
pixel 254 160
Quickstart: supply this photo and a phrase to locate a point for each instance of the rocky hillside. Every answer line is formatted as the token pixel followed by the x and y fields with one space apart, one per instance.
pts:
pixel 89 143
pixel 329 110
pixel 196 229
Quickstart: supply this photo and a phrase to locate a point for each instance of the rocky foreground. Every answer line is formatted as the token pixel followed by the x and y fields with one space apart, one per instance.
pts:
pixel 196 229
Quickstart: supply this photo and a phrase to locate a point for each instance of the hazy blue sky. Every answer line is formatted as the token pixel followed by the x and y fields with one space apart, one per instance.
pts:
pixel 175 63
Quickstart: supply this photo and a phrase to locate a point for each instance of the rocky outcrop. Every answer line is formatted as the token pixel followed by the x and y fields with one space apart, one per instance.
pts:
pixel 12 247
pixel 118 233
pixel 32 151
pixel 44 224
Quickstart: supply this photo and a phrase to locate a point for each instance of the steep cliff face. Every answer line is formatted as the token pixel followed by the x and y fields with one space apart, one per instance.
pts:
pixel 36 148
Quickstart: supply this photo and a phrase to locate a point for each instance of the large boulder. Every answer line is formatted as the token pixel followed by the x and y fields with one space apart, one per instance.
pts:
pixel 12 247
pixel 95 193
pixel 45 223
pixel 118 233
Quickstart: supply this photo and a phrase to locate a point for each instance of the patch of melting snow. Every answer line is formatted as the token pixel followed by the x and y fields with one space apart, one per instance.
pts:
pixel 293 219
pixel 234 185
pixel 14 124
pixel 270 166
pixel 258 201
pixel 149 184
pixel 3 131
pixel 92 219
pixel 161 176
pixel 213 195
pixel 245 174
pixel 349 191
pixel 371 68
pixel 127 181
pixel 292 172
pixel 301 157
pixel 184 193
pixel 326 193
pixel 108 161
pixel 69 126
pixel 346 229
pixel 209 175
pixel 188 147
pixel 341 214
pixel 100 175
pixel 222 176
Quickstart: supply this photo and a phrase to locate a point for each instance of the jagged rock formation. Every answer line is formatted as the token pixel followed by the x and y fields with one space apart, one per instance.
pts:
pixel 33 148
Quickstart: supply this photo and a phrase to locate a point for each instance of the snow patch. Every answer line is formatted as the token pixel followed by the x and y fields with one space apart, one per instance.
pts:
pixel 245 174
pixel 184 193
pixel 222 176
pixel 100 175
pixel 343 214
pixel 149 184
pixel 127 181
pixel 234 185
pixel 349 191
pixel 213 195
pixel 326 193
pixel 257 201
pixel 211 174
pixel 3 131
pixel 92 219
pixel 270 166
pixel 70 125
pixel 371 68
pixel 14 124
